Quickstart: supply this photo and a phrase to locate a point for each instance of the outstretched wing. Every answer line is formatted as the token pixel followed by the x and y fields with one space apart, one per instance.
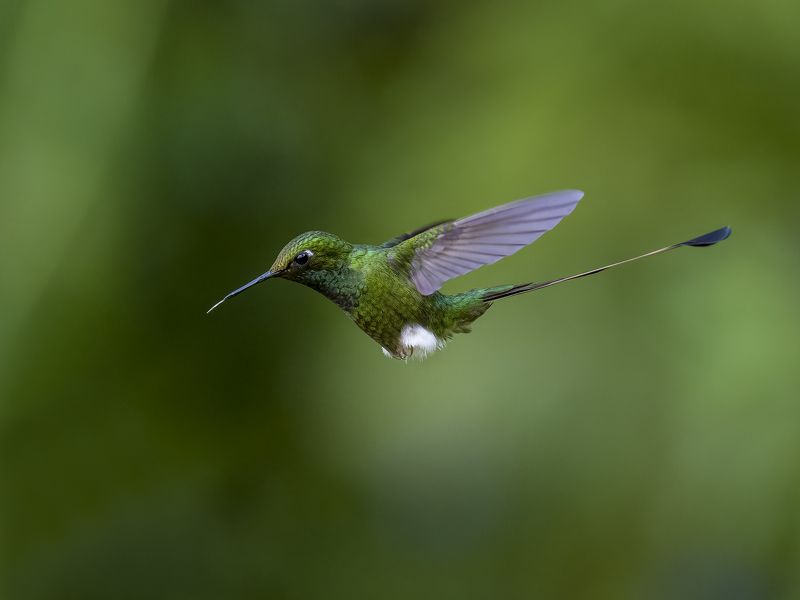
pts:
pixel 458 247
pixel 407 236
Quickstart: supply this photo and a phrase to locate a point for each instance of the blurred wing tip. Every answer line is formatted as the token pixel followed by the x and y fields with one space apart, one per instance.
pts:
pixel 570 194
pixel 709 239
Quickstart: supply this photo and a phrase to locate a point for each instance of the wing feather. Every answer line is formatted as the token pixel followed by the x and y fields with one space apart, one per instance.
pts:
pixel 454 248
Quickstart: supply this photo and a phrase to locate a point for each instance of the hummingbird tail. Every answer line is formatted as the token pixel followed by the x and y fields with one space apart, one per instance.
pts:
pixel 496 293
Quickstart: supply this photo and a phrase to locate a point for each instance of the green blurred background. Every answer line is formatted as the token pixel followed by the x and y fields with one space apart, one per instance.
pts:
pixel 634 435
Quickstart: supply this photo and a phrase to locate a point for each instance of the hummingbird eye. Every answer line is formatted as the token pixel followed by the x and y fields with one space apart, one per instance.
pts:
pixel 303 257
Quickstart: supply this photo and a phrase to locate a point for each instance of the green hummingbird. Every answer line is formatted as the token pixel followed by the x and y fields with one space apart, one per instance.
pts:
pixel 391 290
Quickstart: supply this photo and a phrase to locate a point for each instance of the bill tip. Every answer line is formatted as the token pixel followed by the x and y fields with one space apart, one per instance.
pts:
pixel 215 306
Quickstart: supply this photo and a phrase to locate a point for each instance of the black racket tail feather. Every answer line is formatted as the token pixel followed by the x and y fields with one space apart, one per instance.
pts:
pixel 709 239
pixel 705 240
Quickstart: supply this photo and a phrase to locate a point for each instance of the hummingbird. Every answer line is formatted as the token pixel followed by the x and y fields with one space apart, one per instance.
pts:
pixel 391 290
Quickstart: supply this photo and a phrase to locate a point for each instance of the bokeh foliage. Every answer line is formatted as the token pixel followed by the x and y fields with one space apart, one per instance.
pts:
pixel 635 435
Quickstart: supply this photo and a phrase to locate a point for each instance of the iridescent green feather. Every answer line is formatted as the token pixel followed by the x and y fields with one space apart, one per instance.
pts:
pixel 371 284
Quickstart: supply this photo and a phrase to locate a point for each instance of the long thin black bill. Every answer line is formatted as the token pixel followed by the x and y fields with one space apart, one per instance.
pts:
pixel 238 291
pixel 709 239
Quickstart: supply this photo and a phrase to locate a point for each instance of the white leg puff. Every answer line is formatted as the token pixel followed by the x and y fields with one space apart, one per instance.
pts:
pixel 416 340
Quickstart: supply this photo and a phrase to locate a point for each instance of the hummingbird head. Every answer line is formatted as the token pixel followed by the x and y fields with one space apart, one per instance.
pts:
pixel 310 253
pixel 308 259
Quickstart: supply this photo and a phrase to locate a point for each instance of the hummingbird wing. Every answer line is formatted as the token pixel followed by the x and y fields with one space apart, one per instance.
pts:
pixel 458 247
pixel 407 236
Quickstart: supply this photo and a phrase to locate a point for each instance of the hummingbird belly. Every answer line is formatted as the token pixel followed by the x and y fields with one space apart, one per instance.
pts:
pixel 403 321
pixel 408 324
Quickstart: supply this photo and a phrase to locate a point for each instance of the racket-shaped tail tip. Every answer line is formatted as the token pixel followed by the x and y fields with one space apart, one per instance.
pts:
pixel 709 239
